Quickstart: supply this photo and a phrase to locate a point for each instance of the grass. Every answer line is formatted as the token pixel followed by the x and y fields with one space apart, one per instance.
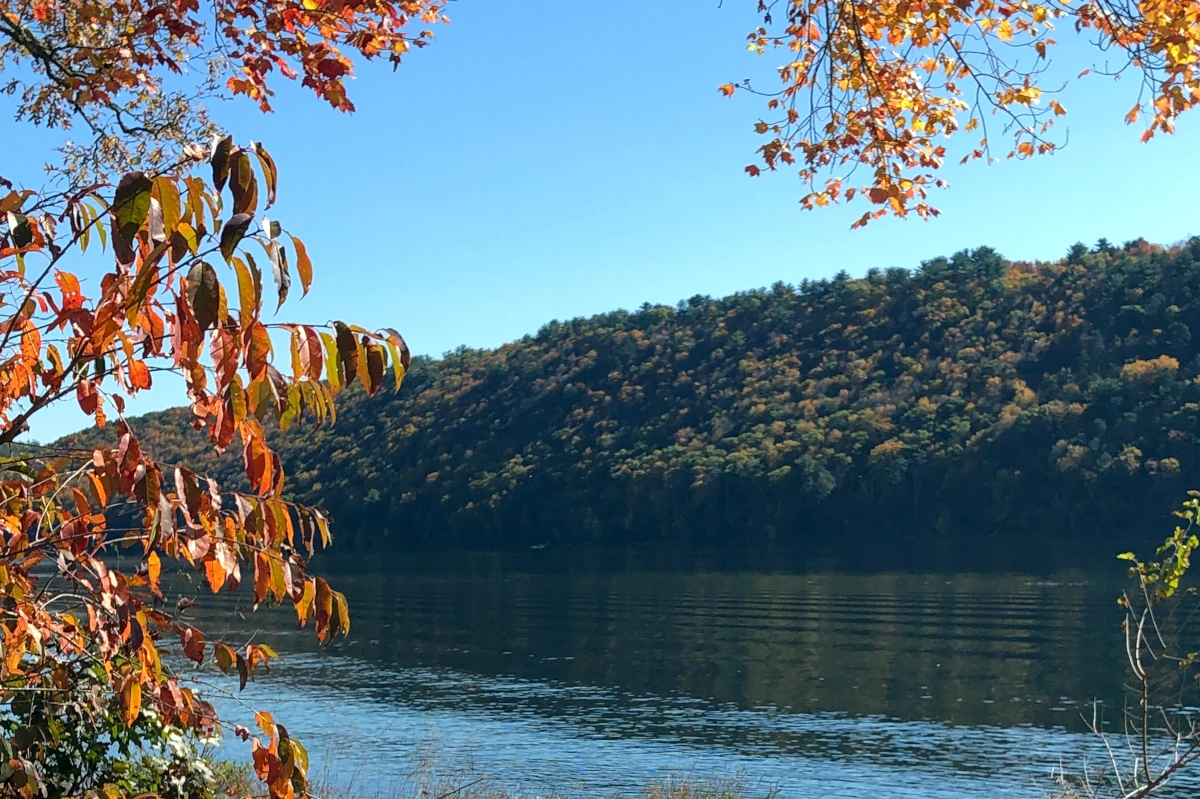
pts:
pixel 428 783
pixel 671 788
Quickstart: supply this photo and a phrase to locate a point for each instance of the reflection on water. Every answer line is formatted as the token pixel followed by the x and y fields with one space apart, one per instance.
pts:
pixel 604 670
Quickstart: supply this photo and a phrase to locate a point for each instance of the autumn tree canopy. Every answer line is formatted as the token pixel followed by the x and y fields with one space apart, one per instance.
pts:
pixel 131 77
pixel 972 399
pixel 868 99
pixel 871 91
pixel 87 644
pixel 152 254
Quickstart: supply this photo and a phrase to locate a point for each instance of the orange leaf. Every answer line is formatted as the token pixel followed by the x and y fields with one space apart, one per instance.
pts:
pixel 303 265
pixel 262 576
pixel 139 375
pixel 215 573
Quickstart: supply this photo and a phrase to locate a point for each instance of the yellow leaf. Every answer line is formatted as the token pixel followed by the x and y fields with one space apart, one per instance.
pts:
pixel 131 699
pixel 153 570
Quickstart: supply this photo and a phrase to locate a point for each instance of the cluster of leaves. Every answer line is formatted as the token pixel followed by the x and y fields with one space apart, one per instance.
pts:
pixel 1162 577
pixel 85 747
pixel 974 394
pixel 881 85
pixel 135 73
pixel 68 608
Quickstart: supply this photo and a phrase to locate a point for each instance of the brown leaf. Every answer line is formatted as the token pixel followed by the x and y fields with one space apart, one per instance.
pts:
pixel 203 294
pixel 374 367
pixel 220 161
pixel 347 353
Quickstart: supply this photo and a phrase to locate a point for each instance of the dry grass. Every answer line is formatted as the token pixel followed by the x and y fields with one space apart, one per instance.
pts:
pixel 461 785
pixel 431 778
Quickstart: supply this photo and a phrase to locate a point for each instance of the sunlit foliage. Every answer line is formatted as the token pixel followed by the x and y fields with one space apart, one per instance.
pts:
pixel 86 534
pixel 871 92
pixel 131 78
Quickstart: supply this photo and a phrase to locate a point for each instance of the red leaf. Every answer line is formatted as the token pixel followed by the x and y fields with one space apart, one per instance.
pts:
pixel 193 644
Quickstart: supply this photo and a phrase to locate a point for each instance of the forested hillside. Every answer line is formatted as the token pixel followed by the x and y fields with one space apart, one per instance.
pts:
pixel 972 396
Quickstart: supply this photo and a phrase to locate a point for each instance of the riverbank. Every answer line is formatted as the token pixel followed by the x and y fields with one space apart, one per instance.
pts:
pixel 238 780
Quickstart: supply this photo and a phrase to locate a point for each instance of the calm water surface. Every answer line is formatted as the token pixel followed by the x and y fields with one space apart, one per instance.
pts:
pixel 597 671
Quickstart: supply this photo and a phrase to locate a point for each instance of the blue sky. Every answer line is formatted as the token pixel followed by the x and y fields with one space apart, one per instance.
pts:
pixel 556 159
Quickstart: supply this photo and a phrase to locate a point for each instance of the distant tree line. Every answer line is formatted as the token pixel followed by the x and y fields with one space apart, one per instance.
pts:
pixel 972 396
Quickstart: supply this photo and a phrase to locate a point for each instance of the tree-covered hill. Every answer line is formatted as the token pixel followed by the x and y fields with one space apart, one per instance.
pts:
pixel 971 396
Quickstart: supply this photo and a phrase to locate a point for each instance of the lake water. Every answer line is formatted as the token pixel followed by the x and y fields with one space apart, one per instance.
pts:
pixel 594 672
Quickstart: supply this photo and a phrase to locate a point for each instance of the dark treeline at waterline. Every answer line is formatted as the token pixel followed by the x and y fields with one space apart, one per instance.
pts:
pixel 972 397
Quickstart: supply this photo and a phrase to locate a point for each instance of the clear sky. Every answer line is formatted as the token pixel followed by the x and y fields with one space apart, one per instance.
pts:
pixel 545 160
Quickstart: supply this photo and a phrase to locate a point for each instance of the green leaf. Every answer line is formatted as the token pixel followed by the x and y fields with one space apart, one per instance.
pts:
pixel 243 184
pixel 256 273
pixel 203 294
pixel 261 397
pixel 291 410
pixel 131 206
pixel 232 234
